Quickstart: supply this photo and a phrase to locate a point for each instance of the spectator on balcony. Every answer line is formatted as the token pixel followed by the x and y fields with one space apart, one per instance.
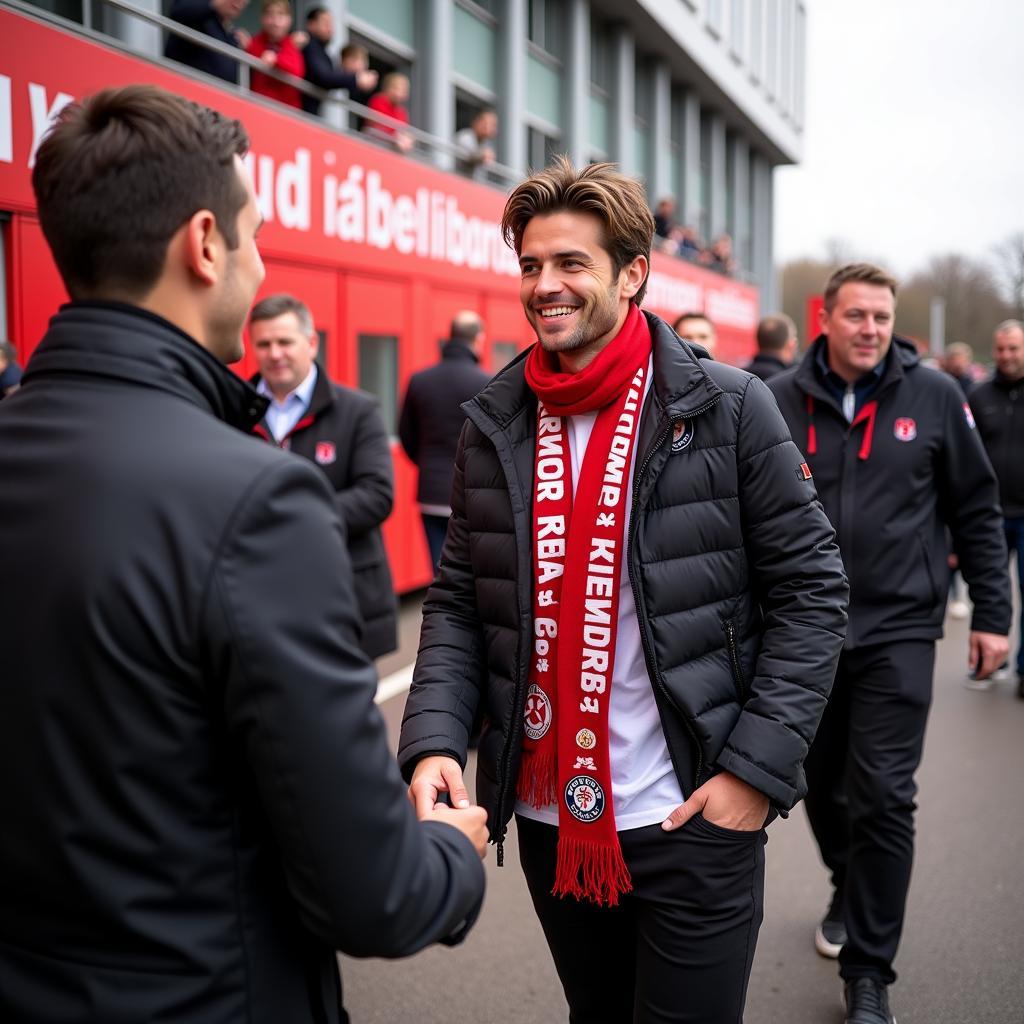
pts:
pixel 391 101
pixel 476 144
pixel 10 371
pixel 213 18
pixel 719 257
pixel 665 217
pixel 689 247
pixel 320 68
pixel 277 48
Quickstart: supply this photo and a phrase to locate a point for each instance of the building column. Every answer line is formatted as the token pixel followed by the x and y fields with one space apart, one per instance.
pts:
pixel 718 173
pixel 661 183
pixel 511 132
pixel 332 113
pixel 689 137
pixel 624 77
pixel 435 53
pixel 738 218
pixel 140 36
pixel 577 82
pixel 761 230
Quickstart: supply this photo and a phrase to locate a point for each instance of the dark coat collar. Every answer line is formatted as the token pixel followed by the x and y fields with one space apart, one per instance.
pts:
pixel 123 342
pixel 321 399
pixel 457 350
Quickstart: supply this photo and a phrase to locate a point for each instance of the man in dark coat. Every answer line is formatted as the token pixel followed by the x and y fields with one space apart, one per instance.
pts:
pixel 213 18
pixel 898 461
pixel 321 70
pixel 339 429
pixel 432 420
pixel 776 346
pixel 201 805
pixel 653 714
pixel 998 406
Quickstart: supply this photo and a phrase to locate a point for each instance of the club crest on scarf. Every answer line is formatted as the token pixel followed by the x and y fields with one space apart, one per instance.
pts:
pixel 578 557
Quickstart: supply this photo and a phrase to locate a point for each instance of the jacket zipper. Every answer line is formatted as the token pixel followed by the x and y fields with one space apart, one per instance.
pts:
pixel 734 659
pixel 641 611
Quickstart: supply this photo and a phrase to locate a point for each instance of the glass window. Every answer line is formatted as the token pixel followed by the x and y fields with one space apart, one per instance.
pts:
pixel 738 28
pixel 545 25
pixel 321 350
pixel 601 64
pixel 543 90
pixel 714 16
pixel 541 149
pixel 474 49
pixel 378 374
pixel 771 47
pixel 599 122
pixel 395 17
pixel 502 353
pixel 756 38
pixel 704 226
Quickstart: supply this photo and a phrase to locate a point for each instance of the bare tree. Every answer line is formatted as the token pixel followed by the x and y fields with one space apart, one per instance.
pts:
pixel 1009 261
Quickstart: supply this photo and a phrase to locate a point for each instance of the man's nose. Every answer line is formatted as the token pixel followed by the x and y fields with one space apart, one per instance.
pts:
pixel 548 282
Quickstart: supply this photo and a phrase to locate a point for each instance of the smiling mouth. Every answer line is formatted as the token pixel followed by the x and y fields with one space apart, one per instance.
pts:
pixel 556 311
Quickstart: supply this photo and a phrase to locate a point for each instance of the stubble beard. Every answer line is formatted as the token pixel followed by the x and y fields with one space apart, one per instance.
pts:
pixel 597 324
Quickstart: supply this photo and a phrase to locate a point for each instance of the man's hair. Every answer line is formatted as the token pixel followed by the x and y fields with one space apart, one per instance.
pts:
pixel 774 331
pixel 692 316
pixel 391 78
pixel 277 305
pixel 482 111
pixel 269 5
pixel 465 328
pixel 960 348
pixel 119 173
pixel 858 273
pixel 354 50
pixel 1009 325
pixel 315 12
pixel 617 201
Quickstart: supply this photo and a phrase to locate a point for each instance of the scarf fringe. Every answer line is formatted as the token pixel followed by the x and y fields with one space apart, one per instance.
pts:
pixel 605 876
pixel 537 782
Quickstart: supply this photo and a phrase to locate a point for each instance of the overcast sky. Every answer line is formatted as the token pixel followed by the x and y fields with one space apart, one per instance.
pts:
pixel 914 136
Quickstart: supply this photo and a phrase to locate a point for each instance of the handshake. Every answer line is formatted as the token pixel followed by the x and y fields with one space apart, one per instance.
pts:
pixel 436 778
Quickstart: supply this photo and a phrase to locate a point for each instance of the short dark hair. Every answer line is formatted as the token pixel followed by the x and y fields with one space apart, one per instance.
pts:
pixel 314 12
pixel 277 305
pixel 119 173
pixel 774 331
pixel 618 201
pixel 484 110
pixel 354 50
pixel 691 316
pixel 465 329
pixel 857 273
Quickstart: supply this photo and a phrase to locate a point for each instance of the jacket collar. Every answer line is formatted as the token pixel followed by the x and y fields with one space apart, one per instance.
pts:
pixel 320 401
pixel 117 341
pixel 457 350
pixel 681 386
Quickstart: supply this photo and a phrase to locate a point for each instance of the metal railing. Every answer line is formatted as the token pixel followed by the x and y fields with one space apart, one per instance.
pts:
pixel 499 174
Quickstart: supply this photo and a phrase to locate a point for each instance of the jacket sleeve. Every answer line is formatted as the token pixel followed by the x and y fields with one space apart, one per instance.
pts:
pixel 797 576
pixel 367 500
pixel 408 432
pixel 320 71
pixel 298 699
pixel 450 668
pixel 969 503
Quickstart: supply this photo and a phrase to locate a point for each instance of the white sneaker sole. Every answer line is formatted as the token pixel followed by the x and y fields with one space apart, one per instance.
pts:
pixel 824 947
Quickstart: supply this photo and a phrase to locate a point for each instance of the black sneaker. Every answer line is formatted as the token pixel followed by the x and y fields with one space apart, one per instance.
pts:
pixel 867 1002
pixel 830 935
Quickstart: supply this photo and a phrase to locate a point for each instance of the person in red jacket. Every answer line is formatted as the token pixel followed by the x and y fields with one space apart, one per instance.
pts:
pixel 277 49
pixel 392 101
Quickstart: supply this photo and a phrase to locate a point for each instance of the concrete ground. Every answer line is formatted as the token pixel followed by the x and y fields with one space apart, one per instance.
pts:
pixel 960 959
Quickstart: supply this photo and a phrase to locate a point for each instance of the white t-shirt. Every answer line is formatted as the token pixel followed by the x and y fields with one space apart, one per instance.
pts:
pixel 645 789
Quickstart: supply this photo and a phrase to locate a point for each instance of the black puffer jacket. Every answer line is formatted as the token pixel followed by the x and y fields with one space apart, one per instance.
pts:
pixel 998 406
pixel 738 583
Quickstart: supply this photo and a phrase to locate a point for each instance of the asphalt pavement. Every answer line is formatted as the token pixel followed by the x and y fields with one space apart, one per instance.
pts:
pixel 960 959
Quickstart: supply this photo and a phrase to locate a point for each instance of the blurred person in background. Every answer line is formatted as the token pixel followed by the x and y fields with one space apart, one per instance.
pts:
pixel 340 430
pixel 10 371
pixel 897 462
pixel 432 420
pixel 206 807
pixel 476 144
pixel 998 407
pixel 958 361
pixel 214 18
pixel 276 48
pixel 696 327
pixel 776 346
pixel 320 69
pixel 392 101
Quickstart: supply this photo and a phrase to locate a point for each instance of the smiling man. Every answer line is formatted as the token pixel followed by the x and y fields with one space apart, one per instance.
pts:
pixel 898 460
pixel 642 593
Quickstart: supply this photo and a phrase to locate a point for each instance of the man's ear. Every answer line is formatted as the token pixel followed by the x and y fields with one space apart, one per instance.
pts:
pixel 635 275
pixel 203 246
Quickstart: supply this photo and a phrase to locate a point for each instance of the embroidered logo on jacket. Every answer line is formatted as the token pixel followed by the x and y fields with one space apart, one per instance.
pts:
pixel 326 453
pixel 904 429
pixel 682 434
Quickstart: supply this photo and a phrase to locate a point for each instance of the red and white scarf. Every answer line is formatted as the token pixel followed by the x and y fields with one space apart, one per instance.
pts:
pixel 578 550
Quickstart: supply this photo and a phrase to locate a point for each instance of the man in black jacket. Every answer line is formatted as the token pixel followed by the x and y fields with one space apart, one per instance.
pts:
pixel 432 420
pixel 339 429
pixel 651 632
pixel 201 806
pixel 321 70
pixel 213 18
pixel 998 407
pixel 898 461
pixel 776 346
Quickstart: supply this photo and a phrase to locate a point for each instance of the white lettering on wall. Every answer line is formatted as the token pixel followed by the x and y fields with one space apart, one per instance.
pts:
pixel 6 122
pixel 42 115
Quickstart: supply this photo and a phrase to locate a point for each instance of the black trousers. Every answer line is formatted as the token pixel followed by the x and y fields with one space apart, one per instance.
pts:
pixel 678 948
pixel 861 789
